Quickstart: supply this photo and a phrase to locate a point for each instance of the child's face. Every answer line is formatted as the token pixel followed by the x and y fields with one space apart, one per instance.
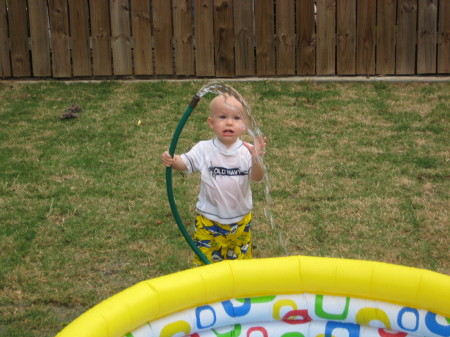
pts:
pixel 226 119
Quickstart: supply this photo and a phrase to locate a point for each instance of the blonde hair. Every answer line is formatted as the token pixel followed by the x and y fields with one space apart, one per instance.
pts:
pixel 227 99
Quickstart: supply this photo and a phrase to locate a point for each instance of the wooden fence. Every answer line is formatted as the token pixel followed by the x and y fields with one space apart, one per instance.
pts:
pixel 223 38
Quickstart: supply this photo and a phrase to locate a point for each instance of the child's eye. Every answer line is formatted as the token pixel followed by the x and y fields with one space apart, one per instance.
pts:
pixel 237 118
pixel 222 117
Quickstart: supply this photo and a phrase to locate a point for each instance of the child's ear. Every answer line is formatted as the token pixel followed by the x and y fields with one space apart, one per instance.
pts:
pixel 210 122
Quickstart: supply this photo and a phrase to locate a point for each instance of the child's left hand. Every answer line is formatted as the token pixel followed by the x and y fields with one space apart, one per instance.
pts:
pixel 259 149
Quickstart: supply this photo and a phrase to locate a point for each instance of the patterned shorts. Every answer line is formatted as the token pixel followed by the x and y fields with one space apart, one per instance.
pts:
pixel 223 242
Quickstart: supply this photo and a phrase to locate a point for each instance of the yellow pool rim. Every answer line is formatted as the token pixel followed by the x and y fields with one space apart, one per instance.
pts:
pixel 152 299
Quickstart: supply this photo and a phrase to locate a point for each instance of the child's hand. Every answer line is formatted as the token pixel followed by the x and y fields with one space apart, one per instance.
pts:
pixel 167 159
pixel 175 162
pixel 259 149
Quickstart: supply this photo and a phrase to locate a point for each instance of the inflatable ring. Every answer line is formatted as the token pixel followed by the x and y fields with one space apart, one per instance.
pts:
pixel 296 296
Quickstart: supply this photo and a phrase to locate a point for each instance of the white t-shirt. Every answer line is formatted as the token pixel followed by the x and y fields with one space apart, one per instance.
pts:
pixel 225 194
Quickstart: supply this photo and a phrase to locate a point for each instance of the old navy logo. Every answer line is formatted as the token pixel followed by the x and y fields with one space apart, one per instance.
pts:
pixel 223 171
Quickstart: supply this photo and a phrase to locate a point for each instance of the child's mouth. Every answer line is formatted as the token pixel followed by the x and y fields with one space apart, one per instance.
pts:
pixel 228 132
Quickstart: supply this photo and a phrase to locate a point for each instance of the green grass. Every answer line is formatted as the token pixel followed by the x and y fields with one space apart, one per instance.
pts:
pixel 358 170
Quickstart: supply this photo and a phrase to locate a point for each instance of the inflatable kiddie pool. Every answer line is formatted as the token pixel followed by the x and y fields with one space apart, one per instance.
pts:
pixel 294 296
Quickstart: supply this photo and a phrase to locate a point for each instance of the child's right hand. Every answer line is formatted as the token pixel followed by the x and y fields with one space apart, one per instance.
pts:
pixel 167 159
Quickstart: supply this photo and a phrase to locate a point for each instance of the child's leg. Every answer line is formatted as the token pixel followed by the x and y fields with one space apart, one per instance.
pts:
pixel 240 241
pixel 222 242
pixel 205 239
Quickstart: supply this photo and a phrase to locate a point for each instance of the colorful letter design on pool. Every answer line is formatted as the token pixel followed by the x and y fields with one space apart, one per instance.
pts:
pixel 281 297
pixel 300 315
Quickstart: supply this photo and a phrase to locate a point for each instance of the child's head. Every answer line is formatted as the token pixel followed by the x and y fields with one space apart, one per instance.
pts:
pixel 226 118
pixel 225 100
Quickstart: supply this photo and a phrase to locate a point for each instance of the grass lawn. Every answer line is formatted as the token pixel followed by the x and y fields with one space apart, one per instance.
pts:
pixel 358 170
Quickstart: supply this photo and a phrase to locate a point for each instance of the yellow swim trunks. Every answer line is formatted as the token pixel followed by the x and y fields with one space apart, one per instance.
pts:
pixel 223 242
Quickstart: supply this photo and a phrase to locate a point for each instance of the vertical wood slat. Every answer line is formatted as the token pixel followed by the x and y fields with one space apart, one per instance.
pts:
pixel 183 37
pixel 204 38
pixel 142 37
pixel 121 37
pixel 444 37
pixel 79 31
pixel 365 48
pixel 18 31
pixel 346 37
pixel 162 24
pixel 265 42
pixel 101 37
pixel 40 40
pixel 306 51
pixel 386 26
pixel 5 60
pixel 285 32
pixel 326 52
pixel 224 37
pixel 243 35
pixel 426 39
pixel 59 26
pixel 406 37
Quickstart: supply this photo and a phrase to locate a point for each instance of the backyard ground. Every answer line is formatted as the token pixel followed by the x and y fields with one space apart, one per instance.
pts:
pixel 357 170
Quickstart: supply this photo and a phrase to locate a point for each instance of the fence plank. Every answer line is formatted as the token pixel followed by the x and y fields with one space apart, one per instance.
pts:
pixel 406 37
pixel 285 29
pixel 224 37
pixel 346 37
pixel 162 25
pixel 121 37
pixel 306 40
pixel 142 35
pixel 365 48
pixel 59 26
pixel 101 37
pixel 79 31
pixel 204 38
pixel 426 40
pixel 444 37
pixel 265 41
pixel 183 37
pixel 5 60
pixel 386 26
pixel 40 40
pixel 243 34
pixel 326 22
pixel 20 58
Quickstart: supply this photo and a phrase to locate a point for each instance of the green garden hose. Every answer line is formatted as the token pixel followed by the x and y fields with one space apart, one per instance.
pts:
pixel 173 206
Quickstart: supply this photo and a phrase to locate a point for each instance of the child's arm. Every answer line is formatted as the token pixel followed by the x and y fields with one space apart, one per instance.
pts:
pixel 259 149
pixel 176 162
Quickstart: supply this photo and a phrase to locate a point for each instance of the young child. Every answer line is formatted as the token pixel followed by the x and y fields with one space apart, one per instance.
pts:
pixel 226 164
